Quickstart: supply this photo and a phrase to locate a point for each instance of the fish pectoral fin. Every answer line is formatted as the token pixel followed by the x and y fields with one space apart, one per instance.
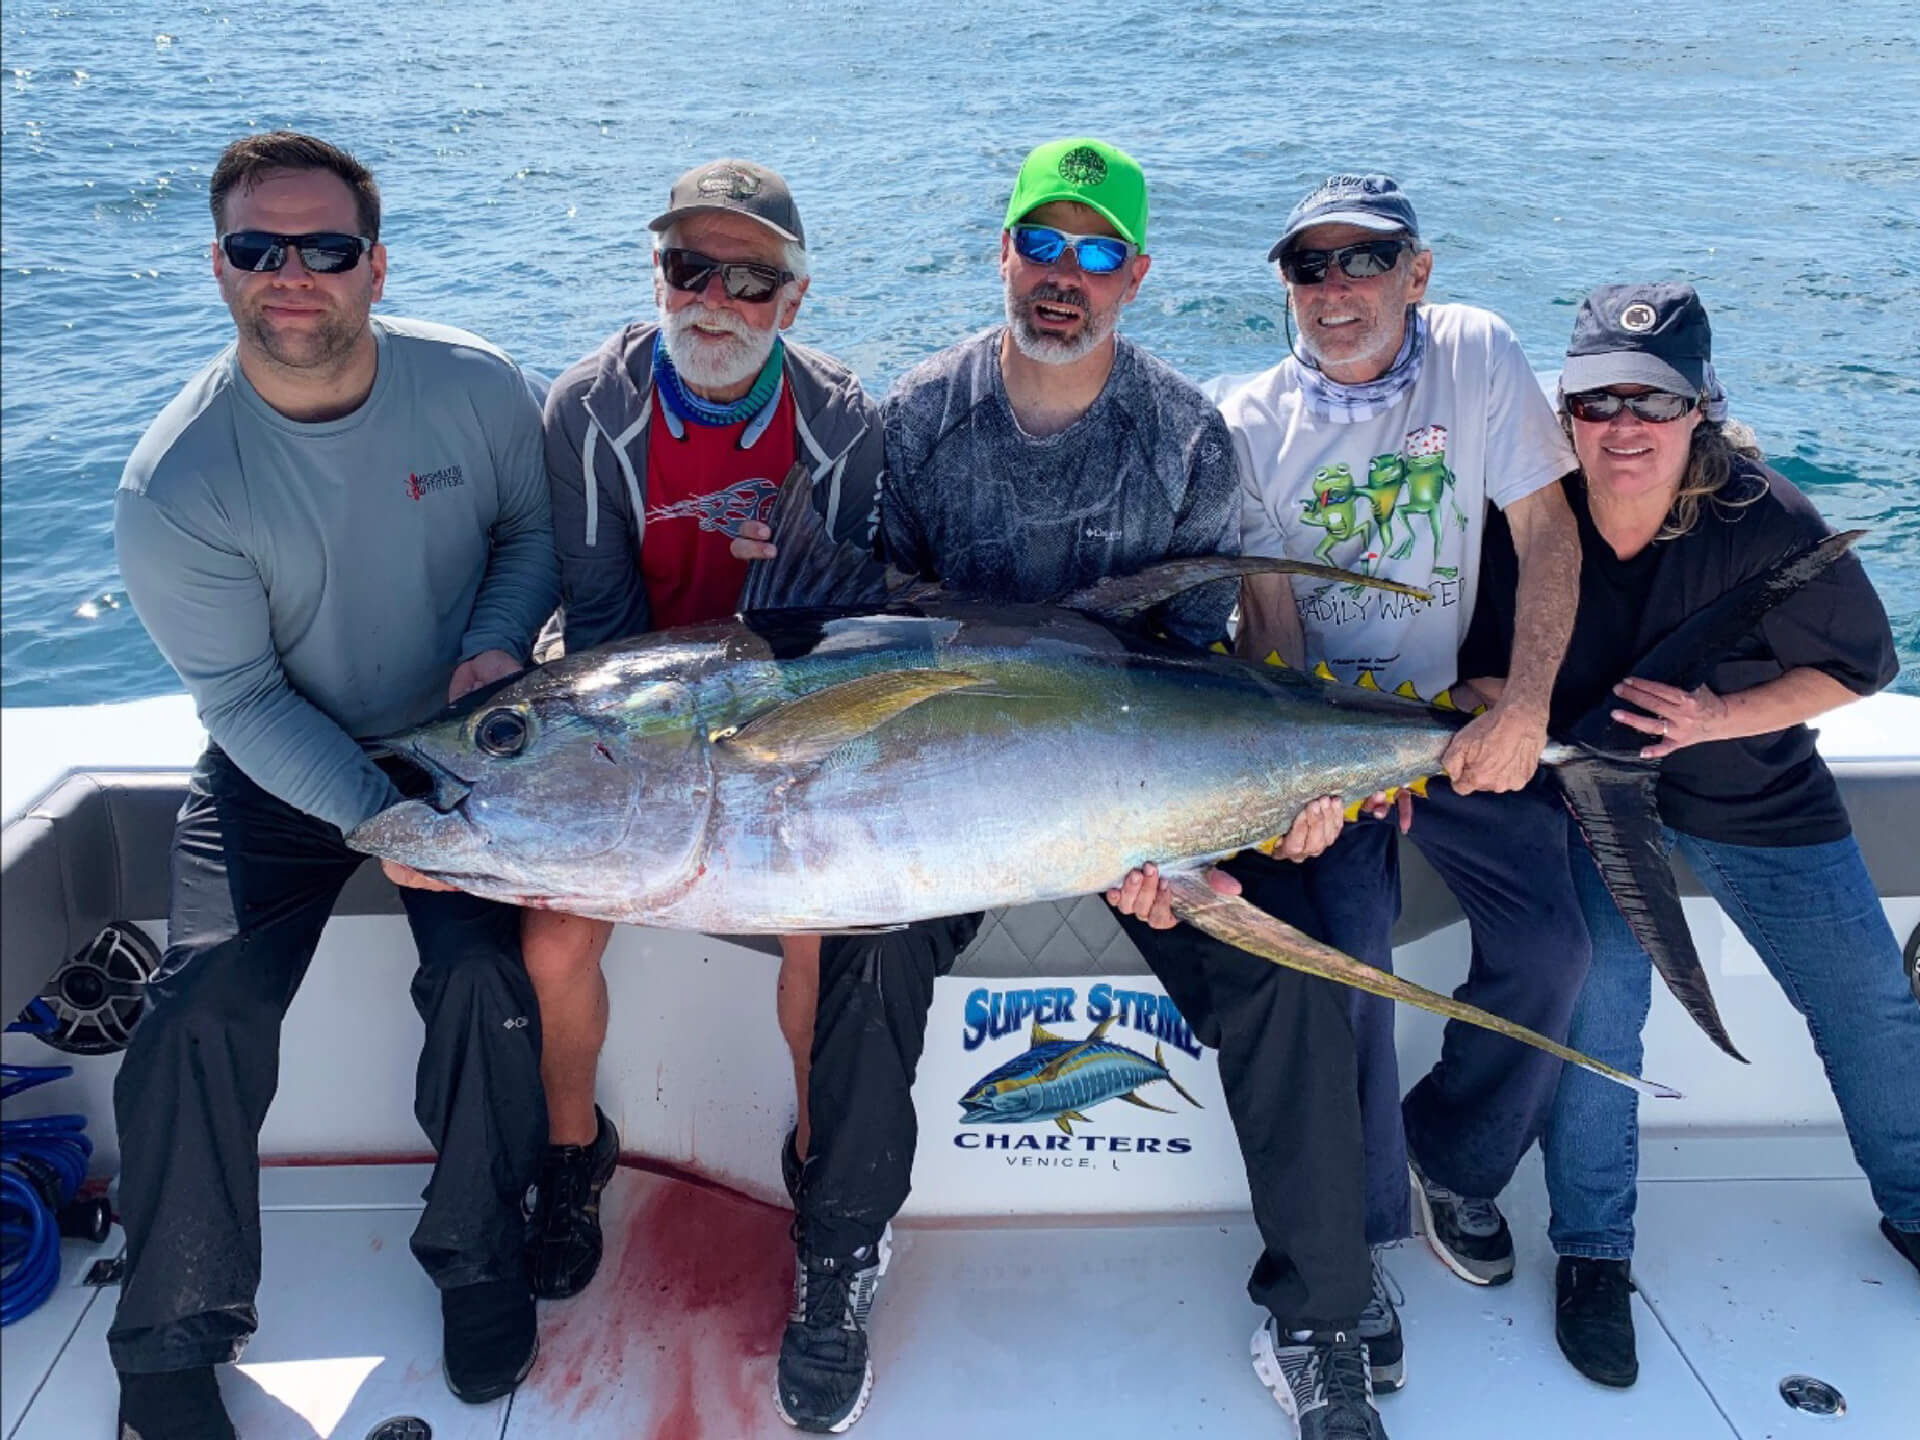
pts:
pixel 1133 1099
pixel 1233 920
pixel 1054 1067
pixel 811 727
pixel 1100 1030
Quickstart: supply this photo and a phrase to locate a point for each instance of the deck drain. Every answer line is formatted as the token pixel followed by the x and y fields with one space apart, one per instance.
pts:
pixel 1816 1397
pixel 401 1427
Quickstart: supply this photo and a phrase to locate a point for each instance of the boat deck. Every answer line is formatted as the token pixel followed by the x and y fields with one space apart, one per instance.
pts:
pixel 1759 1258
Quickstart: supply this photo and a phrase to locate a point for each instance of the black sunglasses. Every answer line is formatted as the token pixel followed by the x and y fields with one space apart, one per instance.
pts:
pixel 747 280
pixel 1356 262
pixel 324 253
pixel 1657 407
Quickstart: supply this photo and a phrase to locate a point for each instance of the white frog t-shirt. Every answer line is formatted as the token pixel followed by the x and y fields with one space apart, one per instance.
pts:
pixel 1401 496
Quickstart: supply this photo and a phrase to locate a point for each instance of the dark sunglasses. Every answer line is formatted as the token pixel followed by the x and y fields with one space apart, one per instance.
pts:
pixel 1095 254
pixel 1657 407
pixel 747 280
pixel 325 253
pixel 1356 262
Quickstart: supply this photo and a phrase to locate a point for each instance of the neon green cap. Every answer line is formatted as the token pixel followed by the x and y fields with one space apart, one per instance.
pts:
pixel 1091 172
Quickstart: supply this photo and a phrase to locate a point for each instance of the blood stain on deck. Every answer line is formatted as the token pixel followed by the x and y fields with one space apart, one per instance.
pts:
pixel 680 1328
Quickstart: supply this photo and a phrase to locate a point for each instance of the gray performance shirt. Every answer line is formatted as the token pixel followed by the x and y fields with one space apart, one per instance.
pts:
pixel 316 584
pixel 971 499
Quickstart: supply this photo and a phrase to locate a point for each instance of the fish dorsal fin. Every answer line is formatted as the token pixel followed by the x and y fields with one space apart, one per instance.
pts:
pixel 810 567
pixel 1129 596
pixel 1686 657
pixel 1041 1036
pixel 805 730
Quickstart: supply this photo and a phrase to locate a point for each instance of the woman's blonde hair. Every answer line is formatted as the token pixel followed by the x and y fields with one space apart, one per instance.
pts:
pixel 1709 472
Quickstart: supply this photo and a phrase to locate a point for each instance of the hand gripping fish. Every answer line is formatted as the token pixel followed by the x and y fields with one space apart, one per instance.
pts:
pixel 827 762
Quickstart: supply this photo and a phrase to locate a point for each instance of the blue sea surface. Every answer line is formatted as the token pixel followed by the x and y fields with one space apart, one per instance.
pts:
pixel 1769 154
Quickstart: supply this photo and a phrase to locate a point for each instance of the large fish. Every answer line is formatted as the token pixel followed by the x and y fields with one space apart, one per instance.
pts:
pixel 1056 1079
pixel 797 770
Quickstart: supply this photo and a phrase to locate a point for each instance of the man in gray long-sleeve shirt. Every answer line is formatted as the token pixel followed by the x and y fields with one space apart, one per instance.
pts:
pixel 337 527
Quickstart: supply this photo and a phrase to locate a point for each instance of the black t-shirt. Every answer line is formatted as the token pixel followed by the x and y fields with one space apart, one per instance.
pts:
pixel 1762 790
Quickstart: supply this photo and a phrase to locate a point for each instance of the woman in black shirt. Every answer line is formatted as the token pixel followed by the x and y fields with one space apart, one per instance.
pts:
pixel 1674 509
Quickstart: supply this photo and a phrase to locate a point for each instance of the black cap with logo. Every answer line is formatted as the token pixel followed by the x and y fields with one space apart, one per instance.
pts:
pixel 1373 202
pixel 737 185
pixel 1653 334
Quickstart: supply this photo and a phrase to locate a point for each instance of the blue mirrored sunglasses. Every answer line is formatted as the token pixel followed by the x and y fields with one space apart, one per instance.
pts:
pixel 1095 254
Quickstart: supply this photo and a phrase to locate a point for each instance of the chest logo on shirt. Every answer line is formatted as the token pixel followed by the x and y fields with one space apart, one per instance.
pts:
pixel 722 510
pixel 420 484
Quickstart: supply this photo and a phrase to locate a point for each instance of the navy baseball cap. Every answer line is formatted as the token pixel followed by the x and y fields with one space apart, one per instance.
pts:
pixel 1373 202
pixel 1654 335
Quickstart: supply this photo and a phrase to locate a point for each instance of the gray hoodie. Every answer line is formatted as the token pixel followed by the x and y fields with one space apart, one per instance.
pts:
pixel 596 426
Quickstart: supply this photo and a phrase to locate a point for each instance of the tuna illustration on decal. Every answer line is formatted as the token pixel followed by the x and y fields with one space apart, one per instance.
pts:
pixel 1057 1079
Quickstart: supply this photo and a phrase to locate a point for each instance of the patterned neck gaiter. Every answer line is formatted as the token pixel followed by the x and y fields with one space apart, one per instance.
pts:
pixel 1357 404
pixel 691 408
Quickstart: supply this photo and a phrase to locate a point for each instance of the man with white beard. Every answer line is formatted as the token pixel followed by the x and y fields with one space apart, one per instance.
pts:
pixel 659 445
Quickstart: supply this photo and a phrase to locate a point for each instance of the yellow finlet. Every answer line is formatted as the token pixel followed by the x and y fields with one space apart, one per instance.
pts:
pixel 1320 669
pixel 1479 709
pixel 1353 811
pixel 1269 845
pixel 1444 700
pixel 1419 787
pixel 1366 681
pixel 1219 647
pixel 1273 658
pixel 1406 691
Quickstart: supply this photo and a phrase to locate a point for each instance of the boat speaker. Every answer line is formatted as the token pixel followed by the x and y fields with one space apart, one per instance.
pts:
pixel 96 998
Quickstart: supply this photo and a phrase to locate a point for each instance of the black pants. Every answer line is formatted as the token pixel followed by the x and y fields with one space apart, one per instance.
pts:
pixel 1470 1119
pixel 253 881
pixel 1286 1063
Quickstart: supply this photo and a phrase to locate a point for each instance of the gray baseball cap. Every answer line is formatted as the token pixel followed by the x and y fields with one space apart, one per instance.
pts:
pixel 737 185
pixel 1373 202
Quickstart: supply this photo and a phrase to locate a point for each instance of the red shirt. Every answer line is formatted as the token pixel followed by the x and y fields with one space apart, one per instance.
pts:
pixel 699 488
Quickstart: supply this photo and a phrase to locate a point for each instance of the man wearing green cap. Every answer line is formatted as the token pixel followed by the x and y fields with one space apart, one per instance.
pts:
pixel 1029 460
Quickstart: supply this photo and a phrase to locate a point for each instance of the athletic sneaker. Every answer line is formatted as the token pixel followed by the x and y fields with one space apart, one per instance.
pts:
pixel 1380 1329
pixel 564 1242
pixel 1907 1242
pixel 1593 1319
pixel 1320 1379
pixel 492 1337
pixel 826 1372
pixel 173 1405
pixel 1470 1236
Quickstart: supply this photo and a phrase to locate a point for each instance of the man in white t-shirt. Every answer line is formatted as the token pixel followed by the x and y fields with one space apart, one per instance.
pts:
pixel 1376 446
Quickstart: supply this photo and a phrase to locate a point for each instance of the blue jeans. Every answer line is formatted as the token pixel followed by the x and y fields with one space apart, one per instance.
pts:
pixel 1811 913
pixel 1470 1119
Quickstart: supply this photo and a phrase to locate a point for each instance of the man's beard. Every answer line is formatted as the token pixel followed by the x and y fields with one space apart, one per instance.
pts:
pixel 1050 349
pixel 706 362
pixel 323 346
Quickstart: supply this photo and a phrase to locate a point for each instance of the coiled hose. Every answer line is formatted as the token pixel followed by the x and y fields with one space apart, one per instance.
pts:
pixel 43 1162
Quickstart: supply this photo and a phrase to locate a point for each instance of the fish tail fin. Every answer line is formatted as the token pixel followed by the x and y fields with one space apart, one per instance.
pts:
pixel 1613 803
pixel 1161 1060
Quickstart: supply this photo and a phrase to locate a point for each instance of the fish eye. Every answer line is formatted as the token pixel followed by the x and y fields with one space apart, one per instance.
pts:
pixel 501 732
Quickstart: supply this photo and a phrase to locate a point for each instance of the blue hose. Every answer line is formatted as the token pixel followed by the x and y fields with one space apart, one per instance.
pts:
pixel 43 1162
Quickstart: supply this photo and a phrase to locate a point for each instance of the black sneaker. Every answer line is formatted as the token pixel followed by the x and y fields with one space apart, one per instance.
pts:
pixel 1470 1236
pixel 1320 1380
pixel 563 1241
pixel 792 1167
pixel 1380 1329
pixel 826 1373
pixel 1907 1242
pixel 173 1405
pixel 492 1336
pixel 1593 1319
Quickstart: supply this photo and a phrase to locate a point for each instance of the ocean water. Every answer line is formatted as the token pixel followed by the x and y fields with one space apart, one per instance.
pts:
pixel 1769 154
